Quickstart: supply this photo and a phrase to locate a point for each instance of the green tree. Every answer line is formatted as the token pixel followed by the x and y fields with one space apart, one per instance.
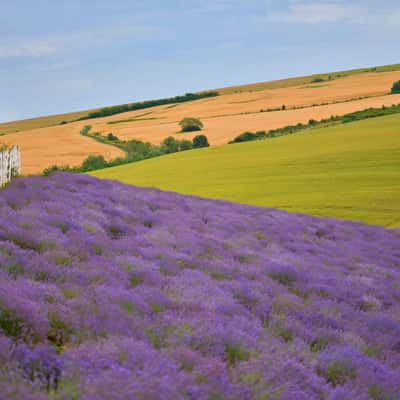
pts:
pixel 200 141
pixel 112 137
pixel 396 87
pixel 191 125
pixel 170 145
pixel 185 145
pixel 94 162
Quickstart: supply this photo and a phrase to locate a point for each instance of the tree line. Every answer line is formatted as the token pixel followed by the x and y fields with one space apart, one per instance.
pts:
pixel 118 109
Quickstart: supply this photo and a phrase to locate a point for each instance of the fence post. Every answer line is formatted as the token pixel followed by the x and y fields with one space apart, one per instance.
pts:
pixel 10 164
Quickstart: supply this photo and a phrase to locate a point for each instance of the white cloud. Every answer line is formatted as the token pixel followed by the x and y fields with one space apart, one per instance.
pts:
pixel 315 12
pixel 26 49
pixel 45 47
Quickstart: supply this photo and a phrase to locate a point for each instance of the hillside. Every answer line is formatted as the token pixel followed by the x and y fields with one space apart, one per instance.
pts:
pixel 224 117
pixel 303 80
pixel 348 171
pixel 112 291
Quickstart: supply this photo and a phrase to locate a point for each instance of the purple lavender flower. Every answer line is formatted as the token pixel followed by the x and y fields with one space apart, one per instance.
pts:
pixel 112 291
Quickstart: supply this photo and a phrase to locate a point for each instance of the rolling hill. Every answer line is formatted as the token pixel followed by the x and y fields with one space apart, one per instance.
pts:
pixel 237 109
pixel 349 171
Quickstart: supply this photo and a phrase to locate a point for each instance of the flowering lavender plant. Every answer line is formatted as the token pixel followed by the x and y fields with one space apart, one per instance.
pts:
pixel 110 291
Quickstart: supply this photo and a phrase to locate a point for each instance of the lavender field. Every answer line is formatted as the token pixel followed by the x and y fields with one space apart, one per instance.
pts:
pixel 110 291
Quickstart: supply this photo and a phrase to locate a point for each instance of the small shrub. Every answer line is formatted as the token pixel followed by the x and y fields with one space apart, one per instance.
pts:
pixel 94 162
pixel 396 87
pixel 244 137
pixel 191 125
pixel 85 130
pixel 55 168
pixel 170 145
pixel 185 145
pixel 200 141
pixel 112 137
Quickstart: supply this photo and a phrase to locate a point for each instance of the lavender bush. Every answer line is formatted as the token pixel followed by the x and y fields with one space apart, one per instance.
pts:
pixel 109 291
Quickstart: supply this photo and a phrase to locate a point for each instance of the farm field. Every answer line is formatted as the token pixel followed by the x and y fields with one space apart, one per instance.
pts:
pixel 39 122
pixel 220 129
pixel 51 120
pixel 349 171
pixel 304 80
pixel 61 145
pixel 109 291
pixel 224 117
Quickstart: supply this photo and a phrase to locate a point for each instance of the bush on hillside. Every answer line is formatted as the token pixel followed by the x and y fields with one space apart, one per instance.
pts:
pixel 112 137
pixel 55 168
pixel 135 150
pixel 138 148
pixel 200 141
pixel 86 129
pixel 94 162
pixel 191 125
pixel 249 136
pixel 185 145
pixel 396 87
pixel 170 145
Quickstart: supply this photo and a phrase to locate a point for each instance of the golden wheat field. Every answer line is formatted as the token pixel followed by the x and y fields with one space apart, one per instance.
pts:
pixel 224 117
pixel 60 145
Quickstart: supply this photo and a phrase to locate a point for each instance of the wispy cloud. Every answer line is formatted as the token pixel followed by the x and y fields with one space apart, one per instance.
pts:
pixel 45 47
pixel 30 48
pixel 314 12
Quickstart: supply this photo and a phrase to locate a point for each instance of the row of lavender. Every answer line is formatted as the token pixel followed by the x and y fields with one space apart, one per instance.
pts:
pixel 113 292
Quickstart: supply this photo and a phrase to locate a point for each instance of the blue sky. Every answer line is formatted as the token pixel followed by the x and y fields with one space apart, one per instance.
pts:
pixel 60 56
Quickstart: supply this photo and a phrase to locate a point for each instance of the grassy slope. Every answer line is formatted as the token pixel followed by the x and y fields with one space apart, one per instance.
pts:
pixel 42 122
pixel 350 171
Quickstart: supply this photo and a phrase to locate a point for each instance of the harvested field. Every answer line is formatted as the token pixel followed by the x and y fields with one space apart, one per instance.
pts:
pixel 61 145
pixel 40 122
pixel 224 118
pixel 221 129
pixel 302 80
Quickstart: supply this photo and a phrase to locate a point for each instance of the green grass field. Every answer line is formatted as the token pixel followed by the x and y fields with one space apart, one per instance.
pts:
pixel 350 171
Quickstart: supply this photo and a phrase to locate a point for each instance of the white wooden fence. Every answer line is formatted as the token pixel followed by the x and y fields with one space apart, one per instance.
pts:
pixel 10 164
